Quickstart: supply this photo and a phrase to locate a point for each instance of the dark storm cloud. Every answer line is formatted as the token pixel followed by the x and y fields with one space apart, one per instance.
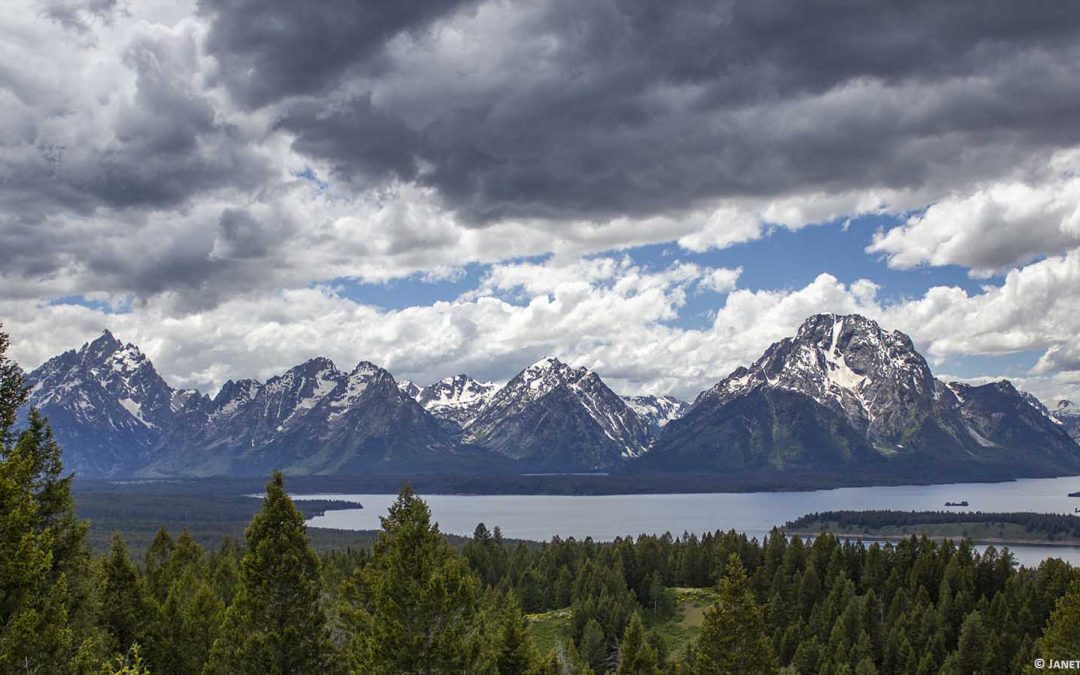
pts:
pixel 283 47
pixel 77 15
pixel 163 146
pixel 602 109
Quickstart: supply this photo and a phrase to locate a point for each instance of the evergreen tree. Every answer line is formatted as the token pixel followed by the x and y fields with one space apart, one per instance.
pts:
pixel 514 646
pixel 275 624
pixel 155 562
pixel 636 655
pixel 13 393
pixel 190 621
pixel 45 613
pixel 127 613
pixel 413 606
pixel 732 638
pixel 593 648
pixel 34 635
pixel 129 663
pixel 971 648
pixel 1061 640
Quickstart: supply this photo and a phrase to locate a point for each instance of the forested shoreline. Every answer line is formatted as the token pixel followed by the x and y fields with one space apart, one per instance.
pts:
pixel 1045 527
pixel 412 603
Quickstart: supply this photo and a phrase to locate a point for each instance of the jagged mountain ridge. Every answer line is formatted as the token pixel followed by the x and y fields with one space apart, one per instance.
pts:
pixel 105 402
pixel 657 411
pixel 843 392
pixel 458 399
pixel 314 418
pixel 551 415
pixel 1067 414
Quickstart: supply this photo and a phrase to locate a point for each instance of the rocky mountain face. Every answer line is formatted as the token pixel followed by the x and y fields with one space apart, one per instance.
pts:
pixel 552 416
pixel 106 404
pixel 313 418
pixel 408 388
pixel 1067 414
pixel 843 392
pixel 115 416
pixel 458 399
pixel 657 411
pixel 841 396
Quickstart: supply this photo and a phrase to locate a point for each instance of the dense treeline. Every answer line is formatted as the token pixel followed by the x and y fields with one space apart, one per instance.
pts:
pixel 210 518
pixel 411 603
pixel 1052 525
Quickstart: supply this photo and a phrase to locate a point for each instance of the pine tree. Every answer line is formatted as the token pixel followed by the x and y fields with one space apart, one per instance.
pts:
pixel 34 635
pixel 275 624
pixel 191 620
pixel 593 648
pixel 127 613
pixel 733 638
pixel 971 647
pixel 413 606
pixel 191 614
pixel 636 655
pixel 44 609
pixel 155 561
pixel 129 663
pixel 1061 639
pixel 13 393
pixel 514 645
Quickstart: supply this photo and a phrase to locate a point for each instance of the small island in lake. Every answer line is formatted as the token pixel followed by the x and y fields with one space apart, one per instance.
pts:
pixel 963 503
pixel 981 528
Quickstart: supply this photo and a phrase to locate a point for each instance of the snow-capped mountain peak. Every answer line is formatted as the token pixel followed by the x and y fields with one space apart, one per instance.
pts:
pixel 657 411
pixel 551 408
pixel 845 362
pixel 1067 415
pixel 459 398
pixel 409 388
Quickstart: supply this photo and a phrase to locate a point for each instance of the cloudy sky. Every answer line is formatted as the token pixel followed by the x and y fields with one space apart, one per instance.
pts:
pixel 656 190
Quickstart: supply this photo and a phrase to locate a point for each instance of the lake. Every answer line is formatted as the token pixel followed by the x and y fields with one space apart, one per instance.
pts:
pixel 604 517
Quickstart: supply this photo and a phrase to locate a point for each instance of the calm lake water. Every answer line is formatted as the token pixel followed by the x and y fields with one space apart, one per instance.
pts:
pixel 604 517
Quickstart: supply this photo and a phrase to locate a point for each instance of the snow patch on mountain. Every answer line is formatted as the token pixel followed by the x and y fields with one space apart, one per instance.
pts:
pixel 657 411
pixel 459 399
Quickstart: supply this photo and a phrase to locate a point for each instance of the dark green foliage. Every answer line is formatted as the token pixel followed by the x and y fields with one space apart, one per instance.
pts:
pixel 733 637
pixel 191 612
pixel 127 612
pixel 1051 525
pixel 413 606
pixel 636 655
pixel 12 393
pixel 592 647
pixel 1062 637
pixel 46 614
pixel 275 624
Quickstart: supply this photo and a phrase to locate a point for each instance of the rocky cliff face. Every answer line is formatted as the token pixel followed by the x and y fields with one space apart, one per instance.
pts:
pixel 657 411
pixel 844 392
pixel 556 417
pixel 458 399
pixel 1067 414
pixel 313 418
pixel 106 403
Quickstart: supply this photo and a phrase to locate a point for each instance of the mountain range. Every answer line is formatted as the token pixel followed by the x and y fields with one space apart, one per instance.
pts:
pixel 843 395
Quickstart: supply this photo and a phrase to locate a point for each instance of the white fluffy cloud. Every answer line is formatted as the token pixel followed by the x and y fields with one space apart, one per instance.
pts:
pixel 605 312
pixel 996 226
